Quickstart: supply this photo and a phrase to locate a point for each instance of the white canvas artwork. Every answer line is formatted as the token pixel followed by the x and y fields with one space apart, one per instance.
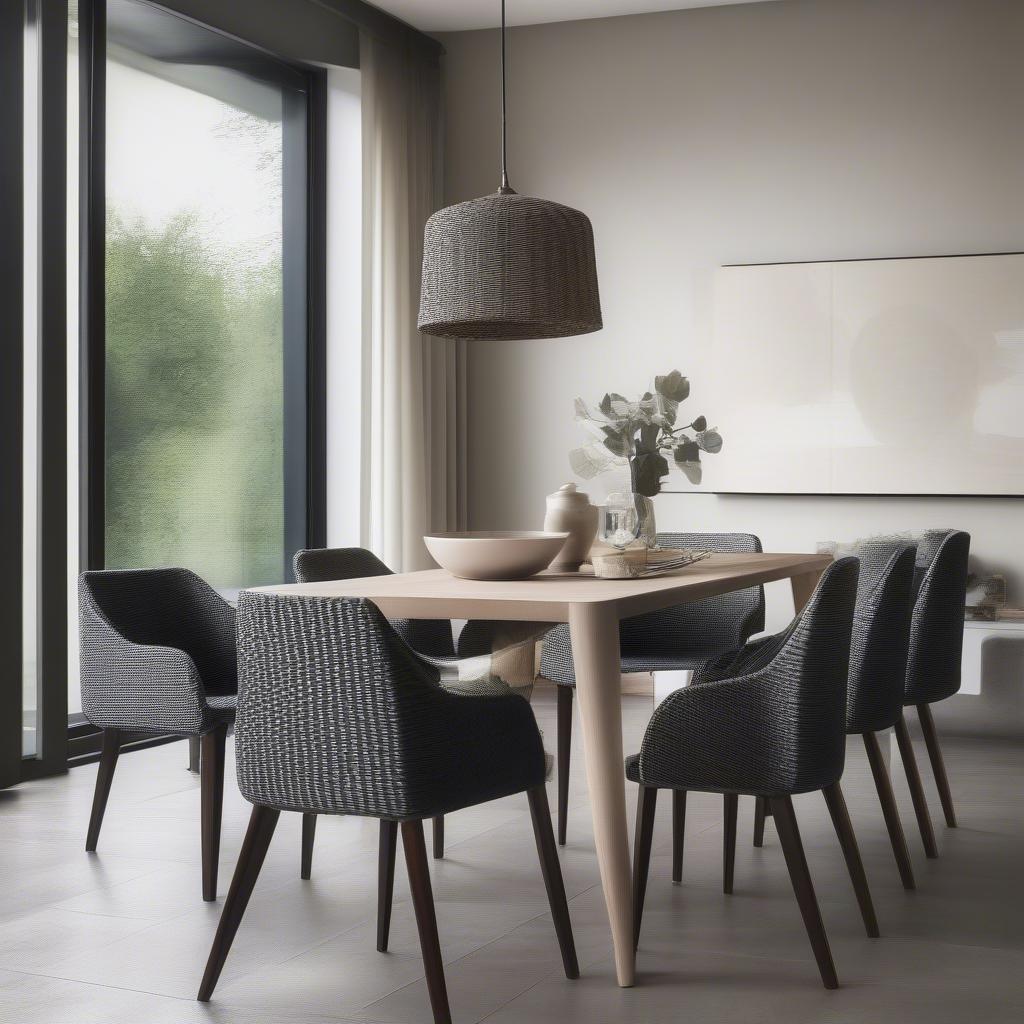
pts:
pixel 900 376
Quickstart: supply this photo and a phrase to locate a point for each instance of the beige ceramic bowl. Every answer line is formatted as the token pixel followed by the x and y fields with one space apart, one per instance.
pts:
pixel 503 555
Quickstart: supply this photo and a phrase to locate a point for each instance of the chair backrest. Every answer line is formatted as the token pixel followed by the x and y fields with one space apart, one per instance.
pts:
pixel 937 623
pixel 881 635
pixel 778 707
pixel 170 607
pixel 337 715
pixel 326 692
pixel 724 621
pixel 315 565
pixel 811 673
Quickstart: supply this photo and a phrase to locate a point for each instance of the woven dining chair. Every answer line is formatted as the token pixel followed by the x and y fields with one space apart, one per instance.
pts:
pixel 681 638
pixel 431 639
pixel 933 661
pixel 338 715
pixel 158 657
pixel 878 663
pixel 772 724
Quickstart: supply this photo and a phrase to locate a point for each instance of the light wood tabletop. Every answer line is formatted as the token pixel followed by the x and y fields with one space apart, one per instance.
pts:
pixel 593 609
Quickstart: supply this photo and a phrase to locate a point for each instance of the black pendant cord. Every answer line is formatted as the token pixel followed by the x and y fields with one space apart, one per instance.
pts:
pixel 505 189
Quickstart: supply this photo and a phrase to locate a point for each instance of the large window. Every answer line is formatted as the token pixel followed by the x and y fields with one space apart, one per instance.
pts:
pixel 205 301
pixel 161 288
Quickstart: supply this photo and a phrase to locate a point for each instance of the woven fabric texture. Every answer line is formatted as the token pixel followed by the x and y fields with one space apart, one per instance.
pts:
pixel 937 623
pixel 157 651
pixel 686 636
pixel 510 267
pixel 336 714
pixel 881 636
pixel 774 731
pixel 429 637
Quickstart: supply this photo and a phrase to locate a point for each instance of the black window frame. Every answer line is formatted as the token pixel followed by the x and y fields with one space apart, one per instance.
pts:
pixel 64 740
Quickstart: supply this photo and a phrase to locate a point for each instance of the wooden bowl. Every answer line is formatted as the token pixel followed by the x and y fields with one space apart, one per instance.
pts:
pixel 498 555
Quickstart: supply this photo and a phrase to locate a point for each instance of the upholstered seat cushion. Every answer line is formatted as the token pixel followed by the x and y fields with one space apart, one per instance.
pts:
pixel 222 704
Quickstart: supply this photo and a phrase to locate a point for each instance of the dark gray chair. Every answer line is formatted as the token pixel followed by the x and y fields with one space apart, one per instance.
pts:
pixel 681 638
pixel 772 723
pixel 933 662
pixel 431 639
pixel 878 663
pixel 337 715
pixel 158 657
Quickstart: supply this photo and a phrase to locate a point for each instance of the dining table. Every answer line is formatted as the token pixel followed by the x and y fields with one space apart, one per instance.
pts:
pixel 593 607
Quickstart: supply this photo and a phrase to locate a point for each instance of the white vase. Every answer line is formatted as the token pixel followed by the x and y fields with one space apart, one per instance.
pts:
pixel 569 510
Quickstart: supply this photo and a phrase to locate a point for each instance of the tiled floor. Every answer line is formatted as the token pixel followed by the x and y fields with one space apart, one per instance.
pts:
pixel 121 937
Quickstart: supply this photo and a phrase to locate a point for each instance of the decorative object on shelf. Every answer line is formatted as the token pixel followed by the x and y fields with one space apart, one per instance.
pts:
pixel 497 555
pixel 570 510
pixel 639 562
pixel 507 266
pixel 986 596
pixel 639 434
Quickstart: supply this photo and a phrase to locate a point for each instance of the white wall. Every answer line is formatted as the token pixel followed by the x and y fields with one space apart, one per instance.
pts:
pixel 797 130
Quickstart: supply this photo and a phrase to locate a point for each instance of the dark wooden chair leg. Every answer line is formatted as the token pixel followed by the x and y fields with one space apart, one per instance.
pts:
pixel 565 695
pixel 104 777
pixel 931 741
pixel 551 869
pixel 211 785
pixel 731 804
pixel 262 823
pixel 438 831
pixel 924 818
pixel 308 838
pixel 760 813
pixel 848 841
pixel 647 801
pixel 426 921
pixel 883 784
pixel 387 848
pixel 789 836
pixel 678 833
pixel 193 754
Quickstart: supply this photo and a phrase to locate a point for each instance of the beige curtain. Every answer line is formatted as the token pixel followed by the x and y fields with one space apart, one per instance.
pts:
pixel 414 387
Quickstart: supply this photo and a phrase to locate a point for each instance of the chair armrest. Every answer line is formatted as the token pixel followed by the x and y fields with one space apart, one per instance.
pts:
pixel 133 686
pixel 475 748
pixel 721 735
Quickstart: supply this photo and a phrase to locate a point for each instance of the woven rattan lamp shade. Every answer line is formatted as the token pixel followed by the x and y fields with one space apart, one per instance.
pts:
pixel 509 267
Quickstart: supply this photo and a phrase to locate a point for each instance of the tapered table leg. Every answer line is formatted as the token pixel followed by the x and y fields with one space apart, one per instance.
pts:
pixel 595 650
pixel 803 588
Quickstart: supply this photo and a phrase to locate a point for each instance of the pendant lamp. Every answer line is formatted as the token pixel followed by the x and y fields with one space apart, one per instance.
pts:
pixel 507 266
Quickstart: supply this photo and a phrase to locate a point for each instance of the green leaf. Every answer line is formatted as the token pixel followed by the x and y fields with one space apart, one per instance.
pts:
pixel 617 442
pixel 673 386
pixel 647 470
pixel 688 451
pixel 710 441
pixel 700 423
pixel 648 438
pixel 606 405
pixel 692 470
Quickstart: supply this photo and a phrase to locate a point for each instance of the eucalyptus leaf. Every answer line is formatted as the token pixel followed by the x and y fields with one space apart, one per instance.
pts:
pixel 693 471
pixel 688 451
pixel 673 385
pixel 648 469
pixel 592 459
pixel 710 441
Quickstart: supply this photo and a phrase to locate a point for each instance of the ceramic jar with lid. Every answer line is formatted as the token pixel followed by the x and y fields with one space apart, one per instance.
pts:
pixel 570 510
